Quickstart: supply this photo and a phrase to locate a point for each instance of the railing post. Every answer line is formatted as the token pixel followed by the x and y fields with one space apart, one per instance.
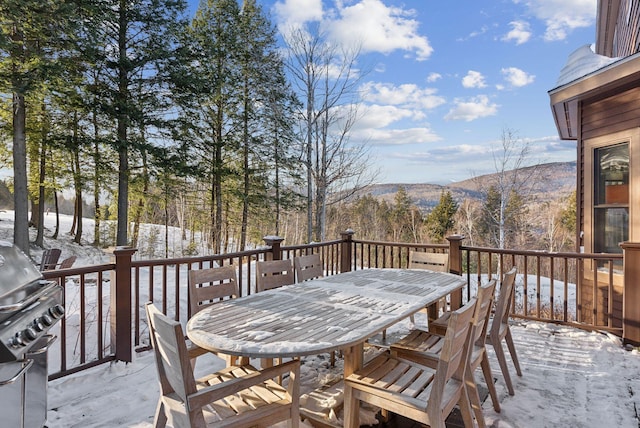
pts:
pixel 455 254
pixel 455 266
pixel 631 293
pixel 274 242
pixel 120 318
pixel 346 250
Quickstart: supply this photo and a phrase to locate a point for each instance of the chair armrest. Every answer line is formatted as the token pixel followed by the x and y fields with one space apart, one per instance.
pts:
pixel 229 387
pixel 195 351
pixel 427 359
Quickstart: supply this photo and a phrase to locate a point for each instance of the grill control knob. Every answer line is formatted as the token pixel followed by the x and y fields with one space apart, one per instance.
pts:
pixel 37 324
pixel 16 341
pixel 23 338
pixel 29 334
pixel 46 320
pixel 56 311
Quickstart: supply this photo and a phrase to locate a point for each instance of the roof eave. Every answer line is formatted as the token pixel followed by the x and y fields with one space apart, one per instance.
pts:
pixel 565 99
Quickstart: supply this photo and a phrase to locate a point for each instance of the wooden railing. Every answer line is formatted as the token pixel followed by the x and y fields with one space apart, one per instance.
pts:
pixel 104 303
pixel 586 291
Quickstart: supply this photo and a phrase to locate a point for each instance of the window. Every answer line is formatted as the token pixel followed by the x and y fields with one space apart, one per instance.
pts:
pixel 611 198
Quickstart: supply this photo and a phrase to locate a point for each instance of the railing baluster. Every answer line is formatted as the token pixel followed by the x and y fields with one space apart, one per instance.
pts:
pixel 525 275
pixel 565 304
pixel 552 287
pixel 83 318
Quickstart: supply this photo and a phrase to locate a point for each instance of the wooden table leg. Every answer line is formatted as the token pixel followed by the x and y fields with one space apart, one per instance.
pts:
pixel 456 299
pixel 353 360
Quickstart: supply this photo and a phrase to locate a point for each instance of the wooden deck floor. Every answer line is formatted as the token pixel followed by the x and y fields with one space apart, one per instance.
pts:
pixel 453 421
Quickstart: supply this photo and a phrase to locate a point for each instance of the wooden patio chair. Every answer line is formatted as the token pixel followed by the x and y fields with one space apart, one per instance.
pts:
pixel 237 396
pixel 67 263
pixel 308 267
pixel 50 258
pixel 208 287
pixel 499 330
pixel 274 273
pixel 438 262
pixel 425 347
pixel 418 392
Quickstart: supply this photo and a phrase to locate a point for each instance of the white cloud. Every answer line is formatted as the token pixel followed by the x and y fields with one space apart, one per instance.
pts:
pixel 562 16
pixel 516 77
pixel 294 13
pixel 377 27
pixel 379 116
pixel 473 79
pixel 432 77
pixel 407 95
pixel 473 34
pixel 395 137
pixel 520 32
pixel 472 109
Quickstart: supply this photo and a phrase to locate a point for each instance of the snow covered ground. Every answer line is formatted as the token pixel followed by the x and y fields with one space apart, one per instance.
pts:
pixel 570 377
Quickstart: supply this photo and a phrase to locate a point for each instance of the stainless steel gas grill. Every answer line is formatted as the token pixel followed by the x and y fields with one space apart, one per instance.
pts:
pixel 29 307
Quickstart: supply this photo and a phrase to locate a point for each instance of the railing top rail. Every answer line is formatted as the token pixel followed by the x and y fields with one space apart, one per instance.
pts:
pixel 311 245
pixel 402 244
pixel 537 253
pixel 197 259
pixel 80 270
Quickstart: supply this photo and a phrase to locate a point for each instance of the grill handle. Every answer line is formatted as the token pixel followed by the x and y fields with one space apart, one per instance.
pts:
pixel 50 339
pixel 27 365
pixel 23 303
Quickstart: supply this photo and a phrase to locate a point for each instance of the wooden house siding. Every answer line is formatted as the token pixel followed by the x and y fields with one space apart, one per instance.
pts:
pixel 613 114
pixel 626 40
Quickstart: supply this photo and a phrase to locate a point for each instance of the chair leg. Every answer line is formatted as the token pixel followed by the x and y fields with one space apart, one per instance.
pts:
pixel 351 407
pixel 512 351
pixel 502 360
pixel 160 420
pixel 488 378
pixel 465 409
pixel 474 398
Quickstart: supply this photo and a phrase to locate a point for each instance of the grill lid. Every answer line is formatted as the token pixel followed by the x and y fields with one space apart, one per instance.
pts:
pixel 29 305
pixel 20 281
pixel 16 270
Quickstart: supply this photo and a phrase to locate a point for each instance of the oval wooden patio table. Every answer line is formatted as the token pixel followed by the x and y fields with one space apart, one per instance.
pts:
pixel 318 316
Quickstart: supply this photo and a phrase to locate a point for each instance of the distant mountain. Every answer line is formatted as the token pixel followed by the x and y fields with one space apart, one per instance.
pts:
pixel 555 180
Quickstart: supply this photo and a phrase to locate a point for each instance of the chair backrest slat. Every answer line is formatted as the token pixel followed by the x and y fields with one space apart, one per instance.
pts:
pixel 274 273
pixel 481 317
pixel 170 349
pixel 50 258
pixel 438 262
pixel 456 343
pixel 308 267
pixel 208 286
pixel 503 305
pixel 68 262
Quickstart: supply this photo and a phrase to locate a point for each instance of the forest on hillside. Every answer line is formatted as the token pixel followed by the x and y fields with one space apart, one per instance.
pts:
pixel 216 126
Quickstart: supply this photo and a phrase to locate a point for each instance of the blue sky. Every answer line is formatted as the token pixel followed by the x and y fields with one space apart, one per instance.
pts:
pixel 448 76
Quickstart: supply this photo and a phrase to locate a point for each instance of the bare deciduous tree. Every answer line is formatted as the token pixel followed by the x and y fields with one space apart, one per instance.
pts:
pixel 326 79
pixel 511 180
